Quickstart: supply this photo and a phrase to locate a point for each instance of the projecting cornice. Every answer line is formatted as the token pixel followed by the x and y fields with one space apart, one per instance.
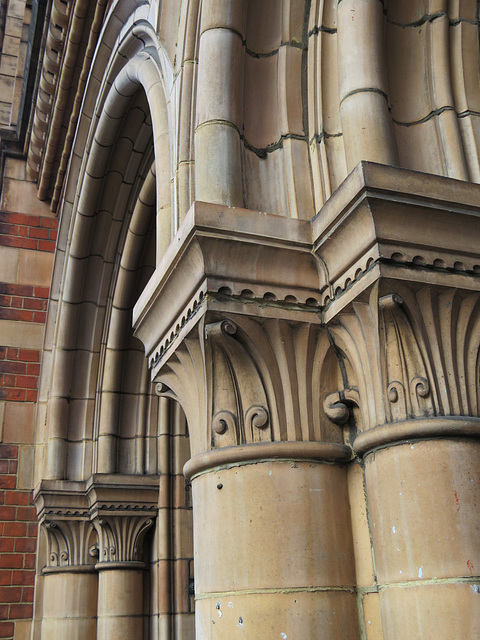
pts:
pixel 385 222
pixel 239 317
pixel 382 222
pixel 226 258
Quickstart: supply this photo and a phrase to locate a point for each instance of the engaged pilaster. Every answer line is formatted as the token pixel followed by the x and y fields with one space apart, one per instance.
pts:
pixel 403 308
pixel 122 510
pixel 240 345
pixel 71 552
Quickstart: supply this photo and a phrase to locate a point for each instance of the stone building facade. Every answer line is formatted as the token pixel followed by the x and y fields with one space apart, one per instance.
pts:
pixel 240 390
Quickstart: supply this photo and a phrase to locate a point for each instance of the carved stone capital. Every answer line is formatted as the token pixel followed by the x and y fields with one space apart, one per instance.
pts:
pixel 120 540
pixel 238 317
pixel 96 523
pixel 122 509
pixel 402 301
pixel 244 358
pixel 259 383
pixel 228 259
pixel 63 515
pixel 414 353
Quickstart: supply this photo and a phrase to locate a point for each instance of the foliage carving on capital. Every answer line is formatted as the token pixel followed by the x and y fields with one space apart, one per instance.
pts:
pixel 70 543
pixel 120 537
pixel 415 352
pixel 244 379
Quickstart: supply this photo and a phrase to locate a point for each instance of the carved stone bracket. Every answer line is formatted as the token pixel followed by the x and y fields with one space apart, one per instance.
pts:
pixel 235 317
pixel 121 539
pixel 93 524
pixel 63 515
pixel 122 509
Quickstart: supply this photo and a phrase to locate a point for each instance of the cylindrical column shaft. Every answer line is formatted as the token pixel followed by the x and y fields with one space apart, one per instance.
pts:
pixel 423 502
pixel 273 552
pixel 120 604
pixel 218 169
pixel 69 606
pixel 363 85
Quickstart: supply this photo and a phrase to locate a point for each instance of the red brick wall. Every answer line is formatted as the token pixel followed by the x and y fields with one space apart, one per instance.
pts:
pixel 27 231
pixel 22 302
pixel 19 371
pixel 18 531
pixel 27 241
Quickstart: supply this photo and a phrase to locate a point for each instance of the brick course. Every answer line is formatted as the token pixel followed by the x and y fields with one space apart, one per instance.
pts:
pixel 19 371
pixel 24 303
pixel 28 232
pixel 18 532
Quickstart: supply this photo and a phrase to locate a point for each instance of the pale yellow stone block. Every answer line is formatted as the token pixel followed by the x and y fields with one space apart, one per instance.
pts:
pixel 425 491
pixel 219 178
pixel 361 66
pixel 35 267
pixel 120 592
pixel 26 467
pixel 262 616
pixel 299 510
pixel 261 101
pixel 72 595
pixel 2 413
pixel 19 422
pixel 360 531
pixel 13 26
pixel 14 167
pixel 9 257
pixel 11 46
pixel 367 129
pixel 22 630
pixel 265 182
pixel 431 612
pixel 290 90
pixel 220 75
pixel 226 15
pixel 27 335
pixel 20 196
pixel 264 26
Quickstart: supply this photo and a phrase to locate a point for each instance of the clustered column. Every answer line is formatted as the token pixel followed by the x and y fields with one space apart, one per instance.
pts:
pixel 422 471
pixel 69 578
pixel 93 581
pixel 273 547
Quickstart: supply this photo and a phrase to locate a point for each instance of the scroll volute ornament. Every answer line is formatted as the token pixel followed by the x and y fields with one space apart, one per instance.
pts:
pixel 71 543
pixel 218 385
pixel 378 338
pixel 415 352
pixel 239 404
pixel 406 378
